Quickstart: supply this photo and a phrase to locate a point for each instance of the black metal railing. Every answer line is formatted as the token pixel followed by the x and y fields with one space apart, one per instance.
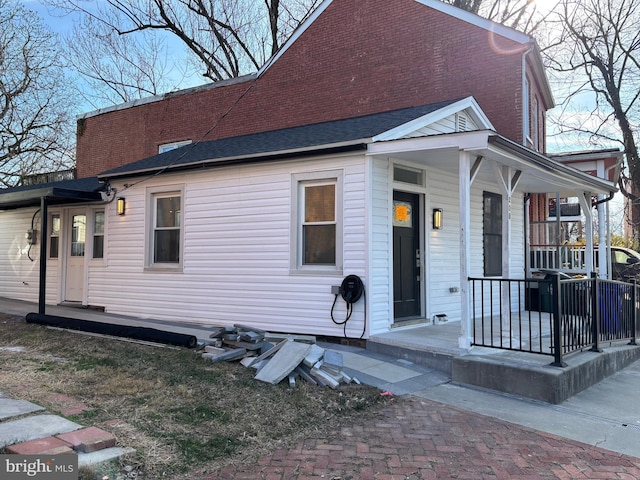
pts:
pixel 553 316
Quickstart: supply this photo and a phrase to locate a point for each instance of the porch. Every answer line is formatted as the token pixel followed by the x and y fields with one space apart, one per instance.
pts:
pixel 541 339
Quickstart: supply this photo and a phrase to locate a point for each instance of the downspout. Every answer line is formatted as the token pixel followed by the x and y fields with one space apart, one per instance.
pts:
pixel 604 233
pixel 44 205
pixel 527 241
pixel 525 123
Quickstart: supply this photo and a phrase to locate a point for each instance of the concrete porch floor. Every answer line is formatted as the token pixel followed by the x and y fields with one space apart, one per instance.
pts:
pixel 519 373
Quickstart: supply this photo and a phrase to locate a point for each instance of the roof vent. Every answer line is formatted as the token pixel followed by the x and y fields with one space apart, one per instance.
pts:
pixel 461 122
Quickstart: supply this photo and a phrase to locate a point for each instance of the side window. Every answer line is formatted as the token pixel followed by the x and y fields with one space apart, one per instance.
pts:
pixel 166 147
pixel 98 234
pixel 165 229
pixel 492 234
pixel 317 222
pixel 54 236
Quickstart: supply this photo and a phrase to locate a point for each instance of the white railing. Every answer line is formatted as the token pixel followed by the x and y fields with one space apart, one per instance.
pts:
pixel 565 258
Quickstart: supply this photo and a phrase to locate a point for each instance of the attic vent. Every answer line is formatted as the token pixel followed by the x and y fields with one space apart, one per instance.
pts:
pixel 461 122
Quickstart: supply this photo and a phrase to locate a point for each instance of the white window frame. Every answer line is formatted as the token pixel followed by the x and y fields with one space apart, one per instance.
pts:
pixel 48 236
pixel 94 235
pixel 154 193
pixel 298 183
pixel 166 147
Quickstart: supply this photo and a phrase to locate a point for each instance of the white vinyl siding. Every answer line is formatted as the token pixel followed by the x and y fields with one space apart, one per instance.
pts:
pixel 20 261
pixel 236 251
pixel 380 272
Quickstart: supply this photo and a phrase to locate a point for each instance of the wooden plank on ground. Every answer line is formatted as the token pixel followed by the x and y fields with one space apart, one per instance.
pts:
pixel 283 362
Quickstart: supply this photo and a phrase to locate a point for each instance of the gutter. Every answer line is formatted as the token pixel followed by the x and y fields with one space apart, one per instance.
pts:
pixel 551 165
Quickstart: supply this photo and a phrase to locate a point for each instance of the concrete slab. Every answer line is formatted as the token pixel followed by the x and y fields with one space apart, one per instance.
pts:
pixel 283 362
pixel 14 408
pixel 34 427
pixel 102 456
pixel 389 372
pixel 358 362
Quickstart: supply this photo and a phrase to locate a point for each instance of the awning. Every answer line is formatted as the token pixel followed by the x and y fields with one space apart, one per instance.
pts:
pixel 56 193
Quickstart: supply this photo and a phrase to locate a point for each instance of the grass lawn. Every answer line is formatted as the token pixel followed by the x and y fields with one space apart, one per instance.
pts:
pixel 179 412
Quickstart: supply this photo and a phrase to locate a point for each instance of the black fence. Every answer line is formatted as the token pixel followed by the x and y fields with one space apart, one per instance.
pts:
pixel 553 316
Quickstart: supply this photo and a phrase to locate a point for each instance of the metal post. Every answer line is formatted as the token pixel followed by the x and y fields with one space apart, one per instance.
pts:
pixel 634 312
pixel 44 214
pixel 595 312
pixel 556 303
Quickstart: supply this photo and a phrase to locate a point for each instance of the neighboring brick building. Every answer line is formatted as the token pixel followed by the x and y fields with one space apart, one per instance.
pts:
pixel 355 58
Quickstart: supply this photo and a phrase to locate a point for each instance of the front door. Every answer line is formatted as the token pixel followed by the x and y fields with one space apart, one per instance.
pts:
pixel 406 256
pixel 74 278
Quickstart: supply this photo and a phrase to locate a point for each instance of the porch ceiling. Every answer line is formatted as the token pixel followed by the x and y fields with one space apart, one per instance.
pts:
pixel 540 174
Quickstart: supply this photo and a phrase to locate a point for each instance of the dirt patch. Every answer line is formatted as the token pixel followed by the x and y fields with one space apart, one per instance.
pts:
pixel 179 412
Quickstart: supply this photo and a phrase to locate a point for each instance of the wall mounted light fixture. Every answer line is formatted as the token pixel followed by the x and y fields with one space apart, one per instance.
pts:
pixel 121 205
pixel 437 218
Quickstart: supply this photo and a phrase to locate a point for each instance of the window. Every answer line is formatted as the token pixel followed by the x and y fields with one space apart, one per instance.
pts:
pixel 54 236
pixel 492 234
pixel 166 229
pixel 172 146
pixel 78 234
pixel 98 234
pixel 408 175
pixel 319 224
pixel 318 229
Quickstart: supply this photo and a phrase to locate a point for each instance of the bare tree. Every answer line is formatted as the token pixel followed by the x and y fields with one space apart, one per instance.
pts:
pixel 523 15
pixel 598 57
pixel 33 106
pixel 228 37
pixel 118 68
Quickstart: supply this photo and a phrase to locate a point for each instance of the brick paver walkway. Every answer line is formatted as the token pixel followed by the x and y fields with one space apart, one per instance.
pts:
pixel 420 439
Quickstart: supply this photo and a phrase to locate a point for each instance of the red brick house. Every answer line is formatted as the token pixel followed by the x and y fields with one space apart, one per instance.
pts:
pixel 380 142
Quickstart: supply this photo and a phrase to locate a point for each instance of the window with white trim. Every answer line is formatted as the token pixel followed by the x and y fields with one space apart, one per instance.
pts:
pixel 165 229
pixel 172 146
pixel 492 234
pixel 318 222
pixel 54 235
pixel 98 234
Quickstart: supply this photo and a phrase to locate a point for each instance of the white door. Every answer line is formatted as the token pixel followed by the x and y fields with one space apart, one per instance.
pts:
pixel 77 235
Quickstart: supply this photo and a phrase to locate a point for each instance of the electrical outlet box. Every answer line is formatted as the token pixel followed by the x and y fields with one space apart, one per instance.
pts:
pixel 335 289
pixel 32 236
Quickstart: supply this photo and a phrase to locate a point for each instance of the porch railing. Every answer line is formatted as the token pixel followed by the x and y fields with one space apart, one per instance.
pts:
pixel 552 316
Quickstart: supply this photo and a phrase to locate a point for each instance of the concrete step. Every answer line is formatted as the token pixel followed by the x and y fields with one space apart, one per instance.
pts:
pixel 429 357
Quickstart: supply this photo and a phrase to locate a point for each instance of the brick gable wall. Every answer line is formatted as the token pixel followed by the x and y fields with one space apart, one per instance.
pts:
pixel 357 58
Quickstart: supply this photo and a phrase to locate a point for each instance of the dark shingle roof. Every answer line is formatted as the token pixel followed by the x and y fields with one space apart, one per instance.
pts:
pixel 65 191
pixel 275 141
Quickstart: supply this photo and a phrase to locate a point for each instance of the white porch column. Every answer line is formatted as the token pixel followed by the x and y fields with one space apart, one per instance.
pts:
pixel 507 179
pixel 585 204
pixel 464 188
pixel 604 239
